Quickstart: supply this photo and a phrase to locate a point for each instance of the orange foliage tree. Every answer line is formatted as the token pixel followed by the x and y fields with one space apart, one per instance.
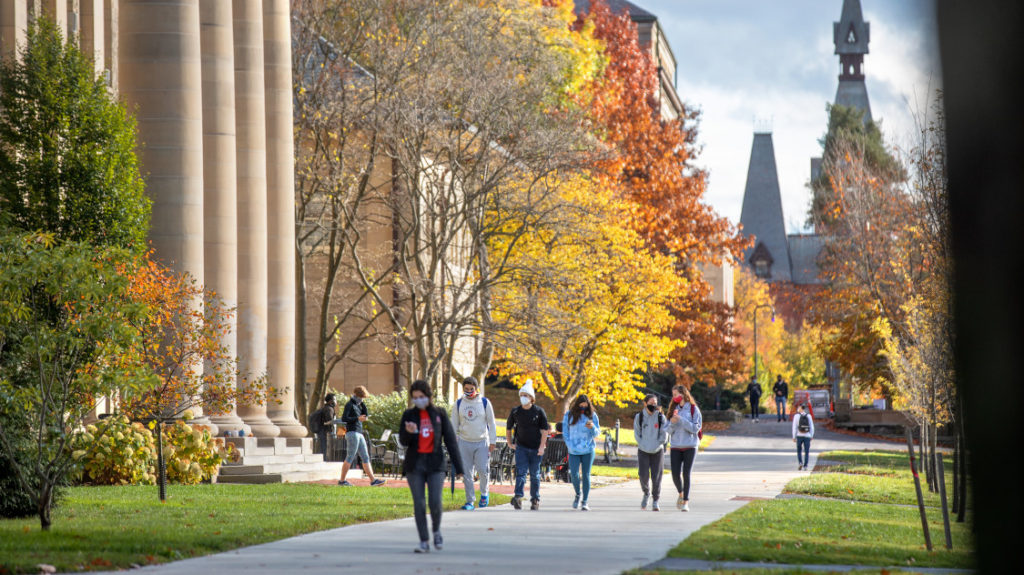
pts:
pixel 180 338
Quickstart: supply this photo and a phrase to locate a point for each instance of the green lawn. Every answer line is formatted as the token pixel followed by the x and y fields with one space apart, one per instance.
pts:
pixel 803 531
pixel 113 527
pixel 860 526
pixel 878 476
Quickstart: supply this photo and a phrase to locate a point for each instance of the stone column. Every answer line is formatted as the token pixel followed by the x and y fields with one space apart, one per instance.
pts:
pixel 161 79
pixel 57 10
pixel 220 240
pixel 111 45
pixel 277 65
pixel 93 38
pixel 251 157
pixel 13 24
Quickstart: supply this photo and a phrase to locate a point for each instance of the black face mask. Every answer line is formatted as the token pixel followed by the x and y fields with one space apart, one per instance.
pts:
pixel 651 408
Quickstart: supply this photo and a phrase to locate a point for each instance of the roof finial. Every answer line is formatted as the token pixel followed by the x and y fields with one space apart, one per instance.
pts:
pixel 763 125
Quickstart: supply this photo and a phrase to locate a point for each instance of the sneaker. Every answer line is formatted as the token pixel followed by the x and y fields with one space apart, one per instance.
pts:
pixel 576 502
pixel 423 548
pixel 643 503
pixel 517 502
pixel 377 482
pixel 655 507
pixel 467 507
pixel 345 483
pixel 438 541
pixel 584 507
pixel 679 503
pixel 685 507
pixel 534 504
pixel 484 500
pixel 799 466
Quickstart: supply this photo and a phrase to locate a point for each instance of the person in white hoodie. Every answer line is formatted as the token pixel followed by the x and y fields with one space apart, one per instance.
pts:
pixel 473 420
pixel 803 431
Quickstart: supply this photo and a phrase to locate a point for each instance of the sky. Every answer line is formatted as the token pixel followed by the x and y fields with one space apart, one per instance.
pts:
pixel 772 60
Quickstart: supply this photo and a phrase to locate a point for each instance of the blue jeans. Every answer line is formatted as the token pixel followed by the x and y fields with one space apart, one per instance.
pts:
pixel 805 443
pixel 355 445
pixel 528 460
pixel 780 407
pixel 580 465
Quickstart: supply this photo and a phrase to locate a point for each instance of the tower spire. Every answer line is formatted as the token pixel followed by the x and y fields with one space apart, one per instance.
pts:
pixel 851 35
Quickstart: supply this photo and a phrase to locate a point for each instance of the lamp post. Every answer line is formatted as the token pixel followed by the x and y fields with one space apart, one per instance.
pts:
pixel 756 309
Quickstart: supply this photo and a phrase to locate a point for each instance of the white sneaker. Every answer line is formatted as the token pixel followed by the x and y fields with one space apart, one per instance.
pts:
pixel 685 507
pixel 679 503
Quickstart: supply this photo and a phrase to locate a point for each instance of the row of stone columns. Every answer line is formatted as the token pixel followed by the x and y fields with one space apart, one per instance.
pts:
pixel 210 84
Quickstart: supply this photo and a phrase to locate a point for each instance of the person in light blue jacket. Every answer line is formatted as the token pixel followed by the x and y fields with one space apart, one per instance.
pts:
pixel 579 428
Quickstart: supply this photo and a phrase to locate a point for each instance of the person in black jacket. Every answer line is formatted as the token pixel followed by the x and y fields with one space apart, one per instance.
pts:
pixel 353 416
pixel 754 393
pixel 421 431
pixel 781 390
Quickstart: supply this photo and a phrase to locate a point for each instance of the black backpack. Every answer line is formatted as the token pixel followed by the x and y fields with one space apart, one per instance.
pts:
pixel 805 424
pixel 316 420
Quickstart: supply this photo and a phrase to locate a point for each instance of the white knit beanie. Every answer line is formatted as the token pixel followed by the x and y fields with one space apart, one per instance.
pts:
pixel 527 388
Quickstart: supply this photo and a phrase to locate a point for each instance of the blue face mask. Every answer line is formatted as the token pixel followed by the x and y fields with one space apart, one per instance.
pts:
pixel 421 402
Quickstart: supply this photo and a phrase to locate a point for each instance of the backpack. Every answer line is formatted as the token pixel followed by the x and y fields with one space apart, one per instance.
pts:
pixel 700 432
pixel 805 424
pixel 458 404
pixel 316 421
pixel 639 420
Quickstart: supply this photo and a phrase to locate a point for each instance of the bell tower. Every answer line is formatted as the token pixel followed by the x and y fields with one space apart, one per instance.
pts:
pixel 851 35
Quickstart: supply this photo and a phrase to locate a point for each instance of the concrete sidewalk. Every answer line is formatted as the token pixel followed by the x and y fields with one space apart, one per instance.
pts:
pixel 748 461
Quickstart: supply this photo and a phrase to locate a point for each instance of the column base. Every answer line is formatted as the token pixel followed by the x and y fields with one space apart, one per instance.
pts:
pixel 289 426
pixel 261 426
pixel 230 423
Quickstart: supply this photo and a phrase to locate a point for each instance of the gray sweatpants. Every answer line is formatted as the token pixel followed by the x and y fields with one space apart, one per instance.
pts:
pixel 475 455
pixel 652 466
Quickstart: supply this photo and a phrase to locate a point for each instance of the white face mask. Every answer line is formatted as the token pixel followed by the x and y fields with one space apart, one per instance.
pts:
pixel 421 402
pixel 525 400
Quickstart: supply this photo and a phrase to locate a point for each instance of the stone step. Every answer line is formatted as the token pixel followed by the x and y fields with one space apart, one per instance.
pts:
pixel 247 459
pixel 272 445
pixel 236 469
pixel 284 477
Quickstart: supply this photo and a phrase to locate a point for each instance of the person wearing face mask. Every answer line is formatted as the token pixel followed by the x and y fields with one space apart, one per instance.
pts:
pixel 422 430
pixel 579 428
pixel 353 416
pixel 473 420
pixel 650 428
pixel 684 430
pixel 527 433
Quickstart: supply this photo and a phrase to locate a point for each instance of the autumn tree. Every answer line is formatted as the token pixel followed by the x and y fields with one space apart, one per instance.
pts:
pixel 181 343
pixel 415 120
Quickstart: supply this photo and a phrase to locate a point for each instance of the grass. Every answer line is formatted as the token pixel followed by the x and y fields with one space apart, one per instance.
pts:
pixel 114 527
pixel 875 476
pixel 826 532
pixel 860 526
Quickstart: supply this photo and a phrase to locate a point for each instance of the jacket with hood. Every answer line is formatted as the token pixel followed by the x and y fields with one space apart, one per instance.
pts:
pixel 650 431
pixel 683 433
pixel 442 431
pixel 473 419
pixel 579 439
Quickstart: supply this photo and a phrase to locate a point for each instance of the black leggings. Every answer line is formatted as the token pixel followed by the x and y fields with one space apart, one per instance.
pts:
pixel 682 460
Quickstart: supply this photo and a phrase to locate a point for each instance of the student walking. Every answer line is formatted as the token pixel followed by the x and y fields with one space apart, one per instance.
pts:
pixel 422 429
pixel 473 420
pixel 579 428
pixel 754 394
pixel 803 431
pixel 781 391
pixel 353 416
pixel 650 428
pixel 527 433
pixel 684 433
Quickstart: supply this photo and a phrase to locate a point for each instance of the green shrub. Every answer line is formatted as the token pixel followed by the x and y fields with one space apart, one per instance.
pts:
pixel 386 411
pixel 115 451
pixel 16 501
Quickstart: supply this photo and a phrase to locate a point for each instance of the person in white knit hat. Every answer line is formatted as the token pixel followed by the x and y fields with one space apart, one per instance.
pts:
pixel 527 433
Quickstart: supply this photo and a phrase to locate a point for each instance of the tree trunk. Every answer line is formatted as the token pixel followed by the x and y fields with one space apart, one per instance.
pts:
pixel 961 515
pixel 161 467
pixel 45 504
pixel 956 466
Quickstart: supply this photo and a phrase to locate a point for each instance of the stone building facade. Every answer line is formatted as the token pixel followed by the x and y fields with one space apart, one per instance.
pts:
pixel 209 82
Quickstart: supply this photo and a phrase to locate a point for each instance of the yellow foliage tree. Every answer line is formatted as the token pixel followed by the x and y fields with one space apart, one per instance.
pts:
pixel 586 307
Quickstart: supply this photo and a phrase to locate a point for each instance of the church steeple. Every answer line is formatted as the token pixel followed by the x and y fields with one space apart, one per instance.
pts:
pixel 851 35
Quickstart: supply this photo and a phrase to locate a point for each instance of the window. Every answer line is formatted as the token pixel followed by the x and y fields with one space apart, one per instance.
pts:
pixel 761 269
pixel 851 38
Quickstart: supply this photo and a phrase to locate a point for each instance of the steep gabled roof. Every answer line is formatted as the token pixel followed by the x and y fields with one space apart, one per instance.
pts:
pixel 851 26
pixel 636 13
pixel 804 250
pixel 762 206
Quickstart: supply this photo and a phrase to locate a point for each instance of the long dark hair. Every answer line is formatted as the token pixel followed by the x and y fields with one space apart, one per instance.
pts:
pixel 576 411
pixel 423 387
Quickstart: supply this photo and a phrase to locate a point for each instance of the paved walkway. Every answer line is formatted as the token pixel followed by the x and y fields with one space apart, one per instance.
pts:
pixel 748 461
